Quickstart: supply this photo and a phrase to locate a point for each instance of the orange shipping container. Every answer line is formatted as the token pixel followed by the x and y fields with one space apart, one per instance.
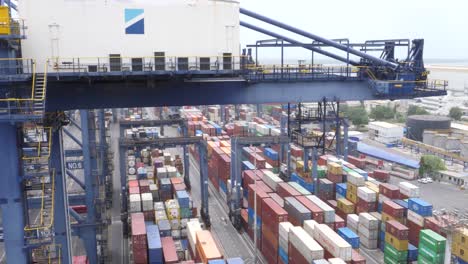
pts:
pixel 206 246
pixel 225 144
pixel 226 150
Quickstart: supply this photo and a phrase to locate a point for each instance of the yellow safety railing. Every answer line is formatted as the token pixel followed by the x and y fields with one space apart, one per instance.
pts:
pixel 59 256
pixel 49 145
pixel 44 226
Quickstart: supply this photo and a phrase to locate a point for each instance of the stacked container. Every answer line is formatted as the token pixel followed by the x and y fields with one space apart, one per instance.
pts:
pixel 352 221
pixel 302 247
pixel 272 215
pixel 155 253
pixel 297 212
pixel 431 247
pixel 332 242
pixel 418 209
pixel 139 238
pixel 283 237
pixel 349 236
pixel 368 229
pixel 460 245
pixel 367 200
pixel 396 242
pixel 206 247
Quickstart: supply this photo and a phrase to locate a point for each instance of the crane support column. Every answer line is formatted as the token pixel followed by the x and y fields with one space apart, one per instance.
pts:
pixel 186 160
pixel 61 213
pixel 259 110
pixel 306 159
pixel 204 183
pixel 345 140
pixel 88 233
pixel 11 196
pixel 338 130
pixel 314 170
pixel 102 145
pixel 222 108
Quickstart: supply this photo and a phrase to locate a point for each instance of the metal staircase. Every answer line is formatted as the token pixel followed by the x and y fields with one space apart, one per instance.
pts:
pixel 40 83
pixel 39 183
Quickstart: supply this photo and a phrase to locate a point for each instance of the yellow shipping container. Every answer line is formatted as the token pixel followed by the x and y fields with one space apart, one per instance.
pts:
pixel 335 168
pixel 351 188
pixel 5 21
pixel 386 217
pixel 461 238
pixel 374 187
pixel 352 197
pixel 345 206
pixel 460 252
pixel 400 245
pixel 300 165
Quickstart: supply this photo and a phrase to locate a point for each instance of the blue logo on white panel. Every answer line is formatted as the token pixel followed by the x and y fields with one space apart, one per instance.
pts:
pixel 134 21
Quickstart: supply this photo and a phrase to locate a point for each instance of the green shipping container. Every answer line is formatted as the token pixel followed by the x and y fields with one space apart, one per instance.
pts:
pixel 395 254
pixel 423 260
pixel 322 172
pixel 433 241
pixel 433 257
pixel 390 260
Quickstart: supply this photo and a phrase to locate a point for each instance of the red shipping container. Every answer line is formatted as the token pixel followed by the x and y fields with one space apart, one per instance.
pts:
pixel 286 190
pixel 269 245
pixel 357 258
pixel 263 186
pixel 322 161
pixel 434 225
pixel 327 254
pixel 364 206
pixel 134 190
pixel 250 176
pixel 335 178
pixel 224 167
pixel 133 183
pixel 139 242
pixel 295 256
pixel 149 215
pixel 332 203
pixel 169 250
pixel 397 230
pixel 381 175
pixel 260 196
pixel 81 209
pixel 177 180
pixel 358 162
pixel 257 160
pixel 317 212
pixel 179 187
pixel 277 199
pixel 144 189
pixel 339 222
pixel 272 214
pixel 245 219
pixel 393 209
pixel 297 152
pixel 389 190
pixel 80 260
pixel 413 235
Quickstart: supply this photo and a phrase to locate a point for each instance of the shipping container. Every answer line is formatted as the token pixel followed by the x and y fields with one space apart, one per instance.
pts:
pixel 432 241
pixel 332 242
pixel 317 212
pixel 206 246
pixel 285 190
pixel 350 237
pixel 367 194
pixel 389 190
pixel 398 255
pixel 273 214
pixel 345 206
pixel 305 244
pixel 155 253
pixel 297 212
pixel 357 258
pixel 420 207
pixel 401 245
pixel 397 230
pixel 169 250
pixel 409 190
pixel 393 209
pixel 328 212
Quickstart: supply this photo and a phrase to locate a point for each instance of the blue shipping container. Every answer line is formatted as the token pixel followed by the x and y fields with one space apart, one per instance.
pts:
pixel 247 165
pixel 379 207
pixel 420 207
pixel 307 185
pixel 271 154
pixel 412 253
pixel 341 189
pixel 403 204
pixel 235 261
pixel 283 255
pixel 362 173
pixel 350 237
pixel 216 261
pixel 155 254
pixel 461 261
pixel 183 198
pixel 222 185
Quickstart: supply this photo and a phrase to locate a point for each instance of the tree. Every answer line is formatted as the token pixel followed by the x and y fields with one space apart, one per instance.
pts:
pixel 416 110
pixel 357 115
pixel 455 113
pixel 381 112
pixel 430 164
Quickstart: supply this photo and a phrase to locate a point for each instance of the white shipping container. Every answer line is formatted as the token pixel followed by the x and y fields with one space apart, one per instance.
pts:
pixel 369 221
pixel 154 190
pixel 175 233
pixel 383 198
pixel 309 226
pixel 305 244
pixel 171 172
pixel 415 218
pixel 328 212
pixel 367 194
pixel 132 177
pixel 271 179
pixel 175 224
pixel 352 220
pixel 332 242
pixel 135 203
pixel 159 215
pixel 159 206
pixel 336 261
pixel 409 189
pixel 161 172
pixel 356 179
pixel 368 243
pixel 192 228
pixel 370 234
pixel 147 201
pixel 284 235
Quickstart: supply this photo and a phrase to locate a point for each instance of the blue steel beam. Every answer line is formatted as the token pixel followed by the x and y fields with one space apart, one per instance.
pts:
pixel 11 197
pixel 376 60
pixel 61 217
pixel 345 140
pixel 73 122
pixel 81 95
pixel 74 178
pixel 75 215
pixel 88 234
pixel 102 145
pixel 70 135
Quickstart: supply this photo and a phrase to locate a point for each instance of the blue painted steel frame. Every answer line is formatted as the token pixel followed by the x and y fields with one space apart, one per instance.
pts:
pixel 11 197
pixel 61 216
pixel 88 233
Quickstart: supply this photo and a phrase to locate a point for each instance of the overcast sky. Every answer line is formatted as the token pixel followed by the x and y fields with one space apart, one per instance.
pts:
pixel 443 24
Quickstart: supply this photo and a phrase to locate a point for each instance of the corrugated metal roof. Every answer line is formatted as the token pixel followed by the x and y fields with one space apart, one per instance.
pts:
pixel 387 156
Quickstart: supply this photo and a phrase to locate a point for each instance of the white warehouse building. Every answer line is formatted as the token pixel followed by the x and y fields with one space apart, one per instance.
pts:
pixel 384 132
pixel 181 31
